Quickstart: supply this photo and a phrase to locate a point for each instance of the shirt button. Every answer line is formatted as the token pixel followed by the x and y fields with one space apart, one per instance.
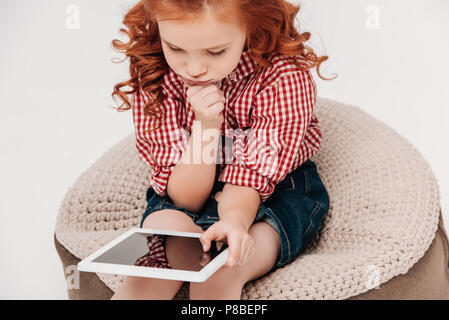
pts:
pixel 232 76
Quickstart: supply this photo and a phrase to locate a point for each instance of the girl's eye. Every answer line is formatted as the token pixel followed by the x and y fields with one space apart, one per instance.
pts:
pixel 173 49
pixel 212 53
pixel 217 53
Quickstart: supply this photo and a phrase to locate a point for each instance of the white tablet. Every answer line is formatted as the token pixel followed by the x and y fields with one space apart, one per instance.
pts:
pixel 155 253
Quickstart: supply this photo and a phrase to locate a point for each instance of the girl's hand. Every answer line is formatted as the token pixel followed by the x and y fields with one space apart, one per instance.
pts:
pixel 207 103
pixel 240 243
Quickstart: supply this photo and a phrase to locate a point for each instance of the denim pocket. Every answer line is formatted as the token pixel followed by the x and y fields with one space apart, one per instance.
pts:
pixel 298 180
pixel 306 183
pixel 212 210
pixel 153 199
pixel 287 184
pixel 315 224
pixel 313 221
pixel 150 194
pixel 317 198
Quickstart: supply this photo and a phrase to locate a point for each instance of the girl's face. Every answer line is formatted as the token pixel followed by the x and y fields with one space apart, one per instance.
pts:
pixel 202 50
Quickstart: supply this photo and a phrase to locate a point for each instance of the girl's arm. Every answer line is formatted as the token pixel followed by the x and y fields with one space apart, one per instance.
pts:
pixel 237 209
pixel 191 181
pixel 238 203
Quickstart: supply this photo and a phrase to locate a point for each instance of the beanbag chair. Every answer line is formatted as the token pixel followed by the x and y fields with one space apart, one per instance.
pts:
pixel 383 237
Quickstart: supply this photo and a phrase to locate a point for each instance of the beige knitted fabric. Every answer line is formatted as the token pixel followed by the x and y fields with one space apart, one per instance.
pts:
pixel 384 209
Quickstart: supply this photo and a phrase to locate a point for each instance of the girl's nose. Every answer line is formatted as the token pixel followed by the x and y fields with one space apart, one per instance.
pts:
pixel 196 72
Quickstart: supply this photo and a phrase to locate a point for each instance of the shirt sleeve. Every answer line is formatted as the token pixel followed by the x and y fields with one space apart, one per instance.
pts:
pixel 163 148
pixel 281 115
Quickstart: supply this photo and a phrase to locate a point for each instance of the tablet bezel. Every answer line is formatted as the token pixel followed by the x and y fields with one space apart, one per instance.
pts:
pixel 88 265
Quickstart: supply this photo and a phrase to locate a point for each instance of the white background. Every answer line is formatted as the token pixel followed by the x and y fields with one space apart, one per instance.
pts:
pixel 56 120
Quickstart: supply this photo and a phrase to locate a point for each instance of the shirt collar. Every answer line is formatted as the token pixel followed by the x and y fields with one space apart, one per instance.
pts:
pixel 245 67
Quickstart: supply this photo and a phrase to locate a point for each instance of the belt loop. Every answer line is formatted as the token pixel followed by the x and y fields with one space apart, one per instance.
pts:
pixel 293 183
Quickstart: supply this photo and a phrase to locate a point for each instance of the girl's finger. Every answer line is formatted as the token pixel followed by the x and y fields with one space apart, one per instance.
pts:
pixel 205 91
pixel 220 245
pixel 206 238
pixel 204 259
pixel 192 90
pixel 212 233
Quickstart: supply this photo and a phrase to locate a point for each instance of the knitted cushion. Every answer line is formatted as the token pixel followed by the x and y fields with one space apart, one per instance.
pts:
pixel 384 209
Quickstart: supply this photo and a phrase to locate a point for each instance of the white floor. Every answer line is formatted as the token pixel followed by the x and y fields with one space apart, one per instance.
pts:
pixel 55 85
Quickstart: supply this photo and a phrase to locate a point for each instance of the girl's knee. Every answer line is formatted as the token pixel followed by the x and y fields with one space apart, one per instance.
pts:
pixel 169 219
pixel 222 286
pixel 224 277
pixel 136 288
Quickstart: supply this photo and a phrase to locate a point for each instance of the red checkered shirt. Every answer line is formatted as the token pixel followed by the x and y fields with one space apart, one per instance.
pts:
pixel 269 125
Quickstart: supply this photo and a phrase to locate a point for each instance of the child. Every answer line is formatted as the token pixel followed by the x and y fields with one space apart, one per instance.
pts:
pixel 238 72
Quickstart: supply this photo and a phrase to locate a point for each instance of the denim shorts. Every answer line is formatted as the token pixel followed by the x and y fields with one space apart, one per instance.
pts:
pixel 295 209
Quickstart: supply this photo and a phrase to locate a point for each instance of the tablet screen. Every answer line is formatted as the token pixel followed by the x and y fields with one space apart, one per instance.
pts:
pixel 162 251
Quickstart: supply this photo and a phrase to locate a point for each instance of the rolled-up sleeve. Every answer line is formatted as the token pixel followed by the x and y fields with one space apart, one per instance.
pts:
pixel 162 148
pixel 280 117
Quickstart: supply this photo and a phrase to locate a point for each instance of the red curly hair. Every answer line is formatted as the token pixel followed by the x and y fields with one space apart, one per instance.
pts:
pixel 269 28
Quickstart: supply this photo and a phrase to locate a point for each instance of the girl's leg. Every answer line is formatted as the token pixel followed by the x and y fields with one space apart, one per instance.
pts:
pixel 139 288
pixel 152 288
pixel 228 282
